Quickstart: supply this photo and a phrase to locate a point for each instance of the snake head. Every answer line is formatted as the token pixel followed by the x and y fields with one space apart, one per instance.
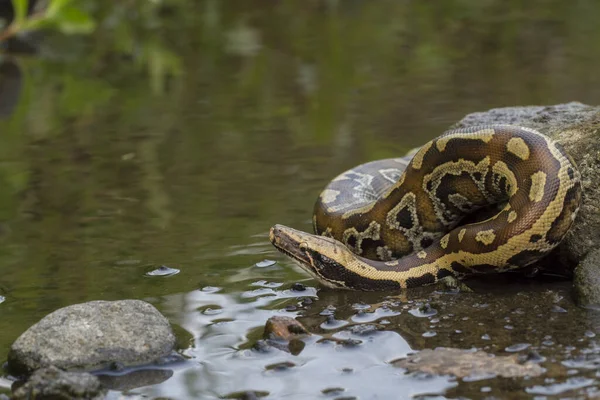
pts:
pixel 322 257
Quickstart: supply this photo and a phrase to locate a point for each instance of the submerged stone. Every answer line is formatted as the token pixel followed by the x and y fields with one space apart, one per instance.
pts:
pixel 93 335
pixel 53 383
pixel 466 363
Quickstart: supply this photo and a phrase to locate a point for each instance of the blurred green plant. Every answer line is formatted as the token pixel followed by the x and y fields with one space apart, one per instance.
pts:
pixel 63 15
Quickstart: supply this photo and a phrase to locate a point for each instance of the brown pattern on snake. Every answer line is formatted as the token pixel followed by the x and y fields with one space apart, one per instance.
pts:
pixel 529 179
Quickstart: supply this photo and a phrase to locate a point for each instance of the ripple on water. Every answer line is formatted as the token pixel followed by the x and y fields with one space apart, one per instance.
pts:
pixel 265 263
pixel 423 311
pixel 266 284
pixel 211 309
pixel 332 323
pixel 381 312
pixel 359 353
pixel 558 388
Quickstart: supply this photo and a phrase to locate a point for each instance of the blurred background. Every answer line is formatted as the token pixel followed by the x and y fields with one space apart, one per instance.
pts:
pixel 139 133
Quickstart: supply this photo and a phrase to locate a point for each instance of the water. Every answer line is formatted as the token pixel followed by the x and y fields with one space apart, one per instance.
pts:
pixel 178 135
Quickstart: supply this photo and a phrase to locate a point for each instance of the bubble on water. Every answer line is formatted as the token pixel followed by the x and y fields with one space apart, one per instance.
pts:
pixel 265 263
pixel 517 347
pixel 163 270
pixel 210 289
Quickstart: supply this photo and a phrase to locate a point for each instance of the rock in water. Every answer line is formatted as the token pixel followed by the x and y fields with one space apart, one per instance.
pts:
pixel 52 383
pixel 575 126
pixel 586 283
pixel 92 336
pixel 465 363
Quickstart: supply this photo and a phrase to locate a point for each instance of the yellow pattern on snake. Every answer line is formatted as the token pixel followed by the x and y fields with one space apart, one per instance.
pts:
pixel 475 200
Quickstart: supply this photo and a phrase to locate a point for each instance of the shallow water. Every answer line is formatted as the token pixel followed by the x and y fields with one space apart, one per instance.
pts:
pixel 177 136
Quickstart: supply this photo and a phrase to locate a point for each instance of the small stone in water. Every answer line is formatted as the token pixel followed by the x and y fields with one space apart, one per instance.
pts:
pixel 282 366
pixel 485 337
pixel 424 311
pixel 517 347
pixel 333 391
pixel 298 287
pixel 589 334
pixel 307 301
pixel 429 334
pixel 533 356
pixel 163 270
pixel 486 389
pixel 265 263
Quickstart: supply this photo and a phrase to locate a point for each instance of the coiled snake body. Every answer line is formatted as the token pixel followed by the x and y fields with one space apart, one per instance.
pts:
pixel 408 222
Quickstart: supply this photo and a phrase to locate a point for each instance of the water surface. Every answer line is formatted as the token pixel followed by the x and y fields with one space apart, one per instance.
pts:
pixel 176 135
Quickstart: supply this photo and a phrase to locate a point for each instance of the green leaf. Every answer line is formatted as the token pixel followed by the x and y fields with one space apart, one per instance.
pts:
pixel 55 7
pixel 73 20
pixel 20 7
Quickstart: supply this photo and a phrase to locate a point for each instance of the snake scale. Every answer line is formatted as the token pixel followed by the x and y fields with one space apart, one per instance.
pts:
pixel 475 200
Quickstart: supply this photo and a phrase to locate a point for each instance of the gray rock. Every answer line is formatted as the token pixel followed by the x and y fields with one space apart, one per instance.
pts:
pixel 576 126
pixel 586 282
pixel 93 335
pixel 53 383
pixel 466 363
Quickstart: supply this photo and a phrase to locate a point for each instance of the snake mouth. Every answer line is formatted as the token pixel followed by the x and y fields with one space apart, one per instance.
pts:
pixel 286 241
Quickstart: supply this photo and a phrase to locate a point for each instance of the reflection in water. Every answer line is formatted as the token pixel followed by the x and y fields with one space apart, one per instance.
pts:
pixel 11 82
pixel 179 137
pixel 228 363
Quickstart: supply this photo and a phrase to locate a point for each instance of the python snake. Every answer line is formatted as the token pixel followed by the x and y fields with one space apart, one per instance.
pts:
pixel 474 200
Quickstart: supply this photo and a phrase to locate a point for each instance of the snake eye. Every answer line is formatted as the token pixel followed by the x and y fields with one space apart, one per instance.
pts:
pixel 303 246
